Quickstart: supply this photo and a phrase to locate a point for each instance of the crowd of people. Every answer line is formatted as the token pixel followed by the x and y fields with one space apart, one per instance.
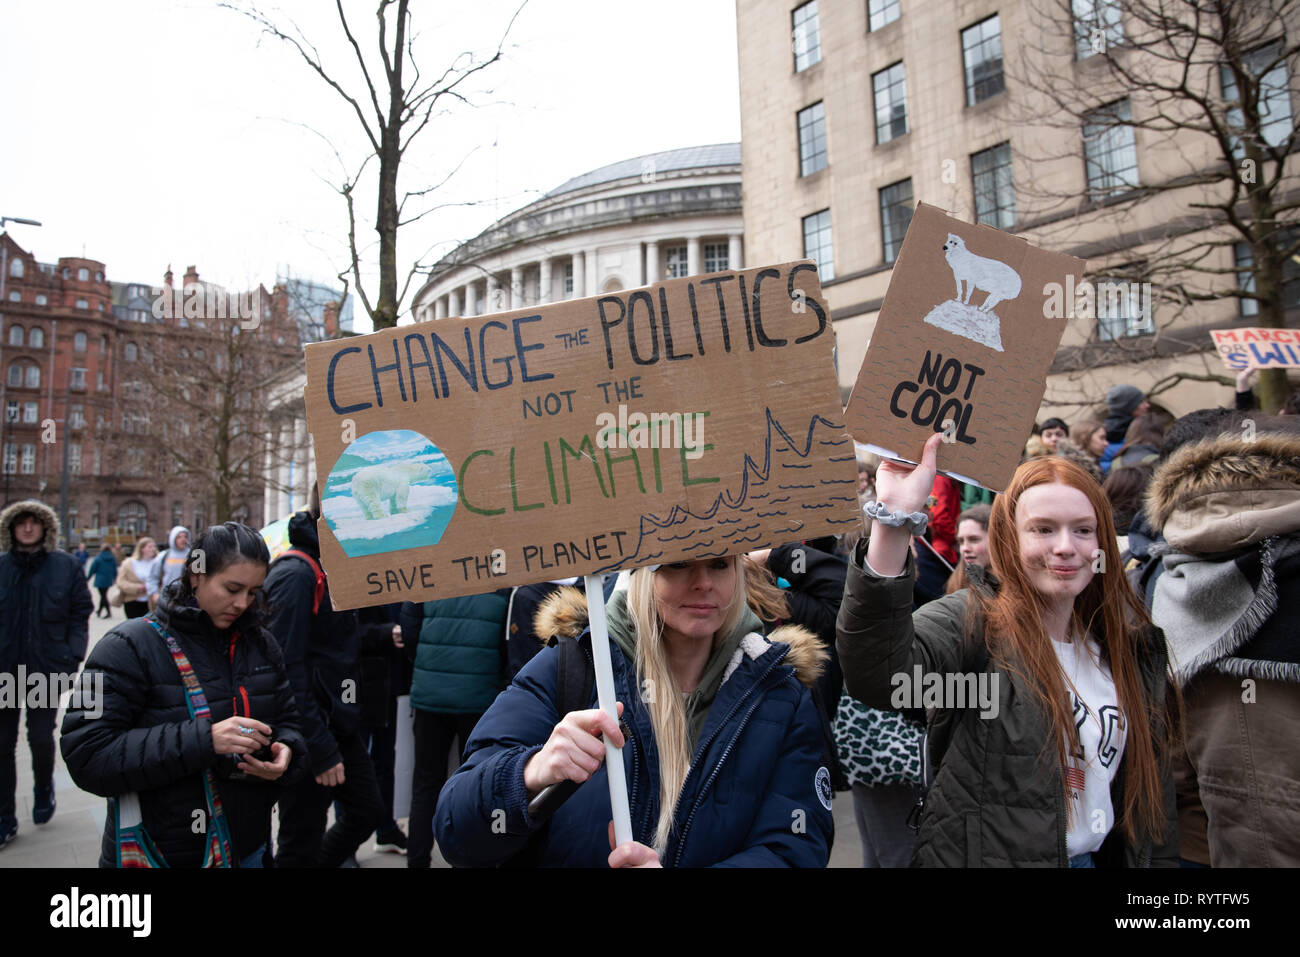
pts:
pixel 1119 622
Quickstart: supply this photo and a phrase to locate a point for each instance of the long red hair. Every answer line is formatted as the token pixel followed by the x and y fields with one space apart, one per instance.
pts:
pixel 1109 611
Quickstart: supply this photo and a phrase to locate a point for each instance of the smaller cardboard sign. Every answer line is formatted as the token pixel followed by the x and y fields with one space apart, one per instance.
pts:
pixel 1257 347
pixel 970 324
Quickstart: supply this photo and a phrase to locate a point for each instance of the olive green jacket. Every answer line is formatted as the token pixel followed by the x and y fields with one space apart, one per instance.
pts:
pixel 998 797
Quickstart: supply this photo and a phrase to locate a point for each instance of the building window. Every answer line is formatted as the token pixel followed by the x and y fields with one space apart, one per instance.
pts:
pixel 94 459
pixel 79 342
pixel 99 276
pixel 881 12
pixel 77 416
pixel 812 139
pixel 133 517
pixel 1110 152
pixel 1245 263
pixel 817 243
pixel 676 259
pixel 568 279
pixel 103 345
pixel 100 380
pixel 1273 103
pixel 37 337
pixel 715 257
pixel 29 459
pixel 129 352
pixel 891 103
pixel 895 214
pixel 806 36
pixel 981 54
pixel 995 195
pixel 15 295
pixel 15 335
pixel 31 413
pixel 78 380
pixel 11 458
pixel 1121 311
pixel 82 304
pixel 66 272
pixel 177 509
pixel 41 299
pixel 74 459
pixel 83 274
pixel 200 520
pixel 22 373
pixel 16 268
pixel 1097 26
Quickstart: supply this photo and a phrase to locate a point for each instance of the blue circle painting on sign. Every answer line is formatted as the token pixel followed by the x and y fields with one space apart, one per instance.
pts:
pixel 389 491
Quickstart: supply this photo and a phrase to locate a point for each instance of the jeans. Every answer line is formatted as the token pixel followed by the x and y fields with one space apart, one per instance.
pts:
pixel 382 744
pixel 433 737
pixel 304 808
pixel 254 859
pixel 40 738
pixel 881 813
pixel 1082 860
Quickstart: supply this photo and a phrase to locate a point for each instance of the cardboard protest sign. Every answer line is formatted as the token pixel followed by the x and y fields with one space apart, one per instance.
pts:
pixel 965 337
pixel 693 418
pixel 1257 347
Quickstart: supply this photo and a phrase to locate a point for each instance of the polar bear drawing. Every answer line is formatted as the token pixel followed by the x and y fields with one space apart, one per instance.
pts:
pixel 377 485
pixel 996 278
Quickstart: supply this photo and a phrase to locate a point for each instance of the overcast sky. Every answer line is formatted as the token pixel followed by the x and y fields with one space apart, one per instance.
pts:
pixel 147 132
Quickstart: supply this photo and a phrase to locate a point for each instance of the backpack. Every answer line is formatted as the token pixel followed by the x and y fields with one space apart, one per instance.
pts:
pixel 319 593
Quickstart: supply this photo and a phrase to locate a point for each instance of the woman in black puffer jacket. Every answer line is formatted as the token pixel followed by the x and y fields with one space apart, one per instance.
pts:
pixel 145 742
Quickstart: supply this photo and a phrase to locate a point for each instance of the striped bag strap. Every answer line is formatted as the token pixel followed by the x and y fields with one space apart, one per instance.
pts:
pixel 219 852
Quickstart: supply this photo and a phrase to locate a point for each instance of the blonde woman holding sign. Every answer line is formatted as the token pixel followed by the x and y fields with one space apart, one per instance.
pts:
pixel 1066 761
pixel 721 743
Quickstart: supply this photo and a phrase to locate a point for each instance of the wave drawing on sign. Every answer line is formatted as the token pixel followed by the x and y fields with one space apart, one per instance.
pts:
pixel 735 528
pixel 972 273
pixel 389 491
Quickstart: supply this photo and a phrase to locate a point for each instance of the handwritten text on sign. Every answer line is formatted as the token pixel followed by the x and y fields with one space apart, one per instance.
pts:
pixel 693 418
pixel 1257 347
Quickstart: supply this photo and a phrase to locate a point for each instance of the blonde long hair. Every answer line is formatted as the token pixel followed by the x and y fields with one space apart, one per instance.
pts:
pixel 659 689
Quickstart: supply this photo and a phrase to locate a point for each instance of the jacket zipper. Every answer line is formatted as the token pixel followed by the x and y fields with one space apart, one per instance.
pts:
pixel 681 841
pixel 243 692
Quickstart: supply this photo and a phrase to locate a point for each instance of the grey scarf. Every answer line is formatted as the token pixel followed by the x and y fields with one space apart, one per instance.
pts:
pixel 1209 612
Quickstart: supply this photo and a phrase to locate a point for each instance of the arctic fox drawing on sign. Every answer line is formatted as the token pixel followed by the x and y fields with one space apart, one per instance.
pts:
pixel 972 273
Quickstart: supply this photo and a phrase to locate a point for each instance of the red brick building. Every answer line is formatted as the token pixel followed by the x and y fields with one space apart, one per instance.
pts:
pixel 151 394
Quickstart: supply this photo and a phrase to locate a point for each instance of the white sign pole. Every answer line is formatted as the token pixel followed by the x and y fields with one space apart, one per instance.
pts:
pixel 605 697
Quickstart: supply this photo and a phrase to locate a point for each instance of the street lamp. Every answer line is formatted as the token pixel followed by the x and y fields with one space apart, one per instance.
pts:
pixel 4 380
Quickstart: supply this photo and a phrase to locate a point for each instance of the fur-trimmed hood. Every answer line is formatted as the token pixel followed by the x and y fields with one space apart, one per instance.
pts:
pixel 1227 491
pixel 564 614
pixel 42 511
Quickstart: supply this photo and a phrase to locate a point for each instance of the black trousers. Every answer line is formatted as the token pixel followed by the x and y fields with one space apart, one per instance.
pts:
pixel 303 840
pixel 135 609
pixel 434 734
pixel 40 737
pixel 382 745
pixel 104 606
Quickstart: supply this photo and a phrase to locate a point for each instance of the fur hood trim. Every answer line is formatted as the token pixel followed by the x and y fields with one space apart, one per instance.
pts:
pixel 42 511
pixel 564 614
pixel 1269 463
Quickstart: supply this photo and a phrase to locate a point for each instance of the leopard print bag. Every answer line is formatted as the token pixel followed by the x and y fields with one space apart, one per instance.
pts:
pixel 876 747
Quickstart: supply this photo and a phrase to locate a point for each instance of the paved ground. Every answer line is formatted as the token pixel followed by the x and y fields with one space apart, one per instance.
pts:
pixel 72 838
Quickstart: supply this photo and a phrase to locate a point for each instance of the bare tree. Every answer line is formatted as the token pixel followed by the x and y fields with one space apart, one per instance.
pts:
pixel 1201 90
pixel 201 418
pixel 394 113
